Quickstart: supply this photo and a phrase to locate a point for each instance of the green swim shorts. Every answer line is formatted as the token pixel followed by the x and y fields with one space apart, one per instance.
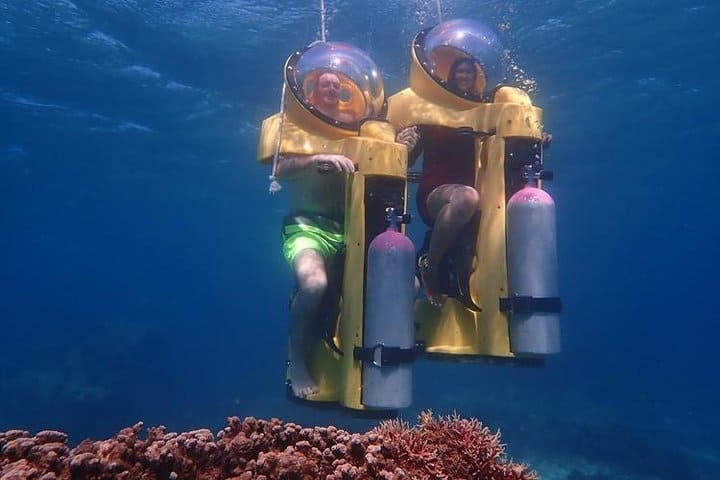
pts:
pixel 322 234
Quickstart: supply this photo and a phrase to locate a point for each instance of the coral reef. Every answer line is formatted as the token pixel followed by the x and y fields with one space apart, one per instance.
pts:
pixel 437 448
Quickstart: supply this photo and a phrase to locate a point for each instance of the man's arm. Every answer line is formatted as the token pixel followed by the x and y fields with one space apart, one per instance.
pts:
pixel 290 166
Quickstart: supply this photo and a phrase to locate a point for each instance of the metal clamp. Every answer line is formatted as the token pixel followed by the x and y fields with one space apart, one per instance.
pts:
pixel 394 219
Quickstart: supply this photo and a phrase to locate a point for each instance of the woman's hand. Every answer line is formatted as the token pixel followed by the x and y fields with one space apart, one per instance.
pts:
pixel 408 136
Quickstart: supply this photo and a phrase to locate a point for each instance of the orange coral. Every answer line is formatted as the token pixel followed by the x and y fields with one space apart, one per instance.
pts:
pixel 438 448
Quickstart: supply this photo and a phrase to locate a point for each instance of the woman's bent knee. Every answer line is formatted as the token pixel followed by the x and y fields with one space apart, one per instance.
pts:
pixel 465 202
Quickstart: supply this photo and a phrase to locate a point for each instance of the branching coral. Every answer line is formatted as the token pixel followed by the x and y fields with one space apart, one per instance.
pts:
pixel 448 448
pixel 437 448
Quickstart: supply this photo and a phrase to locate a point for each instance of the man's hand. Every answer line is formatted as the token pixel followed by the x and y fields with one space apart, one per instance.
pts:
pixel 408 136
pixel 546 139
pixel 331 163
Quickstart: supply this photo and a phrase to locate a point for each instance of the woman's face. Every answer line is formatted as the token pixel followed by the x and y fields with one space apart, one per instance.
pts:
pixel 465 77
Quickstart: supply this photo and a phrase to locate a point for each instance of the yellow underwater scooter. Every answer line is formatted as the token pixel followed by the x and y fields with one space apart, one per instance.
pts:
pixel 364 361
pixel 512 309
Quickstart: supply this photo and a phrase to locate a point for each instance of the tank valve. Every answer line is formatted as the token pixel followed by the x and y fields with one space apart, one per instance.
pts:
pixel 534 172
pixel 395 220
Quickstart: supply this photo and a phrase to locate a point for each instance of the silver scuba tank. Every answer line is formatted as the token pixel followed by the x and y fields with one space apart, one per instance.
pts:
pixel 533 273
pixel 389 332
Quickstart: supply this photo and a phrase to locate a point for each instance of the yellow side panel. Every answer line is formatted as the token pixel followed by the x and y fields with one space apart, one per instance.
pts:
pixel 377 158
pixel 503 118
pixel 512 95
pixel 488 282
pixel 406 108
pixel 268 138
pixel 295 140
pixel 514 120
pixel 489 278
pixel 379 130
pixel 351 331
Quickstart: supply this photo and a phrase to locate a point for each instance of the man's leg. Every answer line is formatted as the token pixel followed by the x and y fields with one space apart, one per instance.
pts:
pixel 451 207
pixel 311 275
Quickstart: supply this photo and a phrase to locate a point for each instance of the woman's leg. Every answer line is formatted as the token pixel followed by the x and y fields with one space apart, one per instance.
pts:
pixel 451 207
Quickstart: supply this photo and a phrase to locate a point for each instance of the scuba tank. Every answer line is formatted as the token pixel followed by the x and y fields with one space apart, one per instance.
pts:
pixel 389 329
pixel 532 270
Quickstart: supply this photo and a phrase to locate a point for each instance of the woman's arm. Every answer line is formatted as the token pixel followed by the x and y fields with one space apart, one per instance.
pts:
pixel 410 137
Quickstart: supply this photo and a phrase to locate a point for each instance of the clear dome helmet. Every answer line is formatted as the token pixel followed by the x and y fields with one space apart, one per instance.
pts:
pixel 334 84
pixel 440 52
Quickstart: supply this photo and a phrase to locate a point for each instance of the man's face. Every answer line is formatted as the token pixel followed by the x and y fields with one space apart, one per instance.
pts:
pixel 328 90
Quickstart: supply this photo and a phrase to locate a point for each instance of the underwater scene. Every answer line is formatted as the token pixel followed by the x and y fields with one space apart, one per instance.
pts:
pixel 147 266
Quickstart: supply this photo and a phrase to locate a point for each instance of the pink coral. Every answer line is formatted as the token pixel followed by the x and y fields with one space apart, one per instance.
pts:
pixel 438 448
pixel 449 447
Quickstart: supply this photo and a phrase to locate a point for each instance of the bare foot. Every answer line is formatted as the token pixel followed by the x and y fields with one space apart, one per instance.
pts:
pixel 301 381
pixel 431 285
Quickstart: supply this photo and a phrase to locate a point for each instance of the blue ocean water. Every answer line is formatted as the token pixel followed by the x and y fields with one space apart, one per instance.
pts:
pixel 141 272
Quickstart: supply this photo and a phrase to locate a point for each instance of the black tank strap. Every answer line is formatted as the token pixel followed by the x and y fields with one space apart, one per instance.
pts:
pixel 528 304
pixel 384 356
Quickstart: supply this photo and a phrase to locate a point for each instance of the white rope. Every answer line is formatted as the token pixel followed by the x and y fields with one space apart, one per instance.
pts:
pixel 322 21
pixel 439 11
pixel 274 184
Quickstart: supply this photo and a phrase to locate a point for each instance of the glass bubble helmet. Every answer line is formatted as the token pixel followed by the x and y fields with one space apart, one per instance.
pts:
pixel 438 48
pixel 362 94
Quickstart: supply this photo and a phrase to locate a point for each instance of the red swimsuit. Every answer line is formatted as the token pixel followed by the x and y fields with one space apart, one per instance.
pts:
pixel 449 158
